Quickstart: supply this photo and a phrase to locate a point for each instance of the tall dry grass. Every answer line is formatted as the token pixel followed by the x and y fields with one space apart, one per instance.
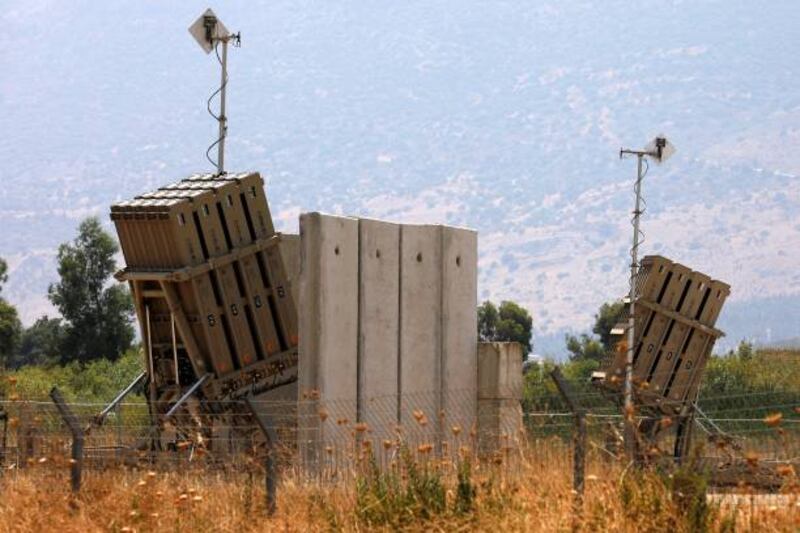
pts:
pixel 528 492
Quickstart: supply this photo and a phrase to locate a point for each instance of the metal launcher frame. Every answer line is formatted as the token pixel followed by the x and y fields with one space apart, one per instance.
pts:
pixel 212 296
pixel 676 309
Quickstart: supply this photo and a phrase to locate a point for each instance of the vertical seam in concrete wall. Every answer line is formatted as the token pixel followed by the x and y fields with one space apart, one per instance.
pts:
pixel 317 377
pixel 311 430
pixel 359 332
pixel 400 324
pixel 474 303
pixel 441 349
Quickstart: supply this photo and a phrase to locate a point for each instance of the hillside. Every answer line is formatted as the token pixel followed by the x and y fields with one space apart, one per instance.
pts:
pixel 505 117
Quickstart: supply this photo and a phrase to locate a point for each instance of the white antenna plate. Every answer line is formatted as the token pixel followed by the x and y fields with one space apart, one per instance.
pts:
pixel 201 31
pixel 660 148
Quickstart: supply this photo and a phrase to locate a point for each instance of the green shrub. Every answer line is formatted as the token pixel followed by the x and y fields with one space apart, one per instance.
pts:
pixel 410 492
pixel 98 381
pixel 690 493
pixel 465 490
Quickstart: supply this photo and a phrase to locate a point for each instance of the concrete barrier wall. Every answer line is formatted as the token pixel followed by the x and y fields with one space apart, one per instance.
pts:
pixel 499 394
pixel 420 331
pixel 378 323
pixel 459 326
pixel 388 328
pixel 328 369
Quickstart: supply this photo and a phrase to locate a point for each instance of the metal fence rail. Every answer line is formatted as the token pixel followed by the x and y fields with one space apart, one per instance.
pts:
pixel 758 429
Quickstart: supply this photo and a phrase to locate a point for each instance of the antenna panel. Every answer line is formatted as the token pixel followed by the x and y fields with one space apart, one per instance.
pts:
pixel 207 29
pixel 660 148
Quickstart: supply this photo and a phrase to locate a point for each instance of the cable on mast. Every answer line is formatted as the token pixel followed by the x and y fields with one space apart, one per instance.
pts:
pixel 209 32
pixel 660 150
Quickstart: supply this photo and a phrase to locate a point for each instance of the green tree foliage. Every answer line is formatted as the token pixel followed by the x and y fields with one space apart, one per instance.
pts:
pixel 40 343
pixel 97 317
pixel 487 321
pixel 509 322
pixel 10 326
pixel 3 273
pixel 752 383
pixel 585 348
pixel 608 316
pixel 10 329
pixel 750 371
pixel 539 393
pixel 98 381
pixel 596 348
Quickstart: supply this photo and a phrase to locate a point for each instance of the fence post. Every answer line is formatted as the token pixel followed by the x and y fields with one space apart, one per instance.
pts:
pixel 264 423
pixel 579 451
pixel 579 467
pixel 4 418
pixel 77 437
pixel 24 443
pixel 683 436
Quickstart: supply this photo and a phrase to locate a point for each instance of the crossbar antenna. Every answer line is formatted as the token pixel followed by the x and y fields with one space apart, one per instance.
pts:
pixel 659 149
pixel 210 32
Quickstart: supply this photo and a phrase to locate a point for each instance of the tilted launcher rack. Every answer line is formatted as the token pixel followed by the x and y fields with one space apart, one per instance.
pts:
pixel 675 313
pixel 210 289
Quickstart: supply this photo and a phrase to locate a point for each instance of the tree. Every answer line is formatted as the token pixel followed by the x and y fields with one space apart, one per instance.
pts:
pixel 97 317
pixel 586 347
pixel 10 325
pixel 511 322
pixel 487 321
pixel 10 328
pixel 608 316
pixel 40 343
pixel 3 273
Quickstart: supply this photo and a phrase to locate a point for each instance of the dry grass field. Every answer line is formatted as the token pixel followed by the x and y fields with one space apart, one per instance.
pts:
pixel 527 487
pixel 530 493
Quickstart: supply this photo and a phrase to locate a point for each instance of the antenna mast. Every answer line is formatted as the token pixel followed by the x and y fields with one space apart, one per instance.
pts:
pixel 659 149
pixel 209 32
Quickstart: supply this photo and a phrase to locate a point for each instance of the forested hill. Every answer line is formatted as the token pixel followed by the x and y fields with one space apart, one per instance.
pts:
pixel 505 116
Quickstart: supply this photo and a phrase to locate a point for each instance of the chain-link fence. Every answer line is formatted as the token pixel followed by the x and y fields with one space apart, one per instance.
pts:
pixel 321 439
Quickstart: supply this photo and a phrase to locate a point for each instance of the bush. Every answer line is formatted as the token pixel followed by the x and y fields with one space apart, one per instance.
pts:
pixel 689 486
pixel 95 382
pixel 410 492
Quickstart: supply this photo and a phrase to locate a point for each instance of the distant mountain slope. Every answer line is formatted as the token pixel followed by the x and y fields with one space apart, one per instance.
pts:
pixel 506 117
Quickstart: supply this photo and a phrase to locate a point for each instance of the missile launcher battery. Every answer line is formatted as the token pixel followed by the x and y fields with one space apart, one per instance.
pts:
pixel 211 292
pixel 676 309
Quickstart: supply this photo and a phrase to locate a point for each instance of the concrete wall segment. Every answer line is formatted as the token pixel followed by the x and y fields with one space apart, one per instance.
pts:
pixel 411 291
pixel 378 335
pixel 420 329
pixel 459 335
pixel 329 322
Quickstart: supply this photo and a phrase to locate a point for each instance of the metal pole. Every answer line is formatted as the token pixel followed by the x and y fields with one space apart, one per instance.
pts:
pixel 683 436
pixel 77 437
pixel 118 414
pixel 579 458
pixel 175 351
pixel 150 363
pixel 100 418
pixel 5 441
pixel 223 120
pixel 152 392
pixel 267 427
pixel 579 444
pixel 630 425
pixel 188 394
